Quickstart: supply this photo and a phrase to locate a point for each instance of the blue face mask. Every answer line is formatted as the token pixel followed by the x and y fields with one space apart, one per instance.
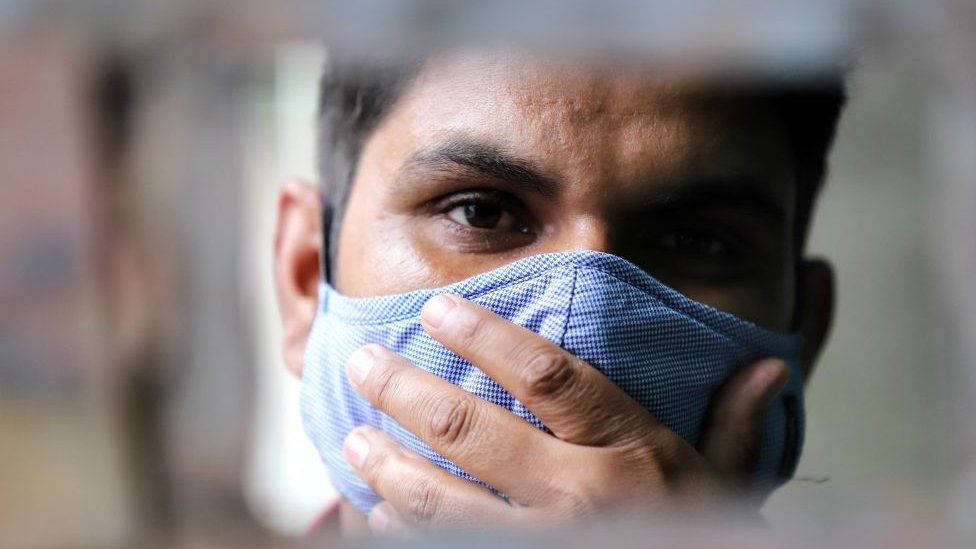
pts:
pixel 666 351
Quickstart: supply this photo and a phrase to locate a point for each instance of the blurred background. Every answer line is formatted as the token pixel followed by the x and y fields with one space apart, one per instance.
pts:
pixel 143 399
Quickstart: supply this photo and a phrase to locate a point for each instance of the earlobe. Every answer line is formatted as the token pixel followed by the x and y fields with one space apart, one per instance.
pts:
pixel 817 311
pixel 297 245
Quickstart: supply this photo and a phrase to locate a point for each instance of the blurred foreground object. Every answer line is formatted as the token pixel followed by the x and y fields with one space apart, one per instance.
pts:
pixel 136 145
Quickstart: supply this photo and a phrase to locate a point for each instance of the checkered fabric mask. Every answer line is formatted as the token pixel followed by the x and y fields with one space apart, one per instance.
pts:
pixel 667 352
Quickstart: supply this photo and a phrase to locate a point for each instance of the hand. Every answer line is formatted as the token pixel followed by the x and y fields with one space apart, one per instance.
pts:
pixel 608 454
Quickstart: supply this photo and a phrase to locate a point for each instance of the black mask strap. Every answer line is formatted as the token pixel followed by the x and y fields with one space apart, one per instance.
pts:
pixel 325 257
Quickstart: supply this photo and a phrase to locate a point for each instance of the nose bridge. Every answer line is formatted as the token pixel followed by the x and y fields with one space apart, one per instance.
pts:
pixel 587 232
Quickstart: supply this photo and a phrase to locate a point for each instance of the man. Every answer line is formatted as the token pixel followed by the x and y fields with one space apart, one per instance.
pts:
pixel 470 162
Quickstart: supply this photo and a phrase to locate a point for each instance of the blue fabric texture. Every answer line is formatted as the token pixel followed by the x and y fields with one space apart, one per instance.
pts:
pixel 666 351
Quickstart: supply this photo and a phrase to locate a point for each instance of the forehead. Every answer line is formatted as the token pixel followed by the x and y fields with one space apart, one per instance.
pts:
pixel 604 129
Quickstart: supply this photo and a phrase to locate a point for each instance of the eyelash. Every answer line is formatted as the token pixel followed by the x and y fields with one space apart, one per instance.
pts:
pixel 501 200
pixel 684 239
pixel 731 247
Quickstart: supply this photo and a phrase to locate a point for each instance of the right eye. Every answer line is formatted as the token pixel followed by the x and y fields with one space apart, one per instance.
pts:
pixel 484 221
pixel 484 213
pixel 480 215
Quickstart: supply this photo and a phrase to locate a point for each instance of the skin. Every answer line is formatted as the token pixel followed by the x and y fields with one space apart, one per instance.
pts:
pixel 486 160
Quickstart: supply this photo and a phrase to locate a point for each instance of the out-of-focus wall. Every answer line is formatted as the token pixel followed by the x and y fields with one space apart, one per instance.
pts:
pixel 54 357
pixel 878 422
pixel 285 482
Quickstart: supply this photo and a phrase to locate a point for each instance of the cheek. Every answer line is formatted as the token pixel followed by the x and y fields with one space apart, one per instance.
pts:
pixel 766 303
pixel 383 254
pixel 375 255
pixel 383 250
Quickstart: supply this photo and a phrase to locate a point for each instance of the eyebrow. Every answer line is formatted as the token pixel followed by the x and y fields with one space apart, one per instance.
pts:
pixel 742 193
pixel 485 160
pixel 463 155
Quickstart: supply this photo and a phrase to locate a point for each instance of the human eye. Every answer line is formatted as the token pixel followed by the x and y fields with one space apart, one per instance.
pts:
pixel 684 250
pixel 484 221
pixel 481 215
pixel 485 211
pixel 697 241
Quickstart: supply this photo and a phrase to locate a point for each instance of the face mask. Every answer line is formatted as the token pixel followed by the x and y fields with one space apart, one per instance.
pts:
pixel 667 352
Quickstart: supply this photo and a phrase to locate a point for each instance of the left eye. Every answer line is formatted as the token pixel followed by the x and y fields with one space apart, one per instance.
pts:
pixel 480 215
pixel 694 242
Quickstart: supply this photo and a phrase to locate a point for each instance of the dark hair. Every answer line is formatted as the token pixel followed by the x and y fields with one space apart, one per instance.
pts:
pixel 810 113
pixel 353 100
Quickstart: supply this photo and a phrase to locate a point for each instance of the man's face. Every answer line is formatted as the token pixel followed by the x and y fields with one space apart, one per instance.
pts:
pixel 480 163
pixel 483 161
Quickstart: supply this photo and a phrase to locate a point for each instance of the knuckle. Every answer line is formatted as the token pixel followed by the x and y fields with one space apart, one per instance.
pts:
pixel 655 458
pixel 469 327
pixel 597 483
pixel 376 465
pixel 385 384
pixel 548 373
pixel 659 461
pixel 610 484
pixel 575 501
pixel 423 501
pixel 452 419
pixel 672 460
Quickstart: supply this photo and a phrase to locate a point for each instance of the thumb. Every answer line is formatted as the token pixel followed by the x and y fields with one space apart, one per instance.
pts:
pixel 733 428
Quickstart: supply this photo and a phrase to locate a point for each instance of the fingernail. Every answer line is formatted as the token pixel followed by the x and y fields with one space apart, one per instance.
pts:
pixel 436 309
pixel 357 449
pixel 360 363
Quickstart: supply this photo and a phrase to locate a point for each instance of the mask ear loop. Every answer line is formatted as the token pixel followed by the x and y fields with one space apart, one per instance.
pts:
pixel 325 256
pixel 791 407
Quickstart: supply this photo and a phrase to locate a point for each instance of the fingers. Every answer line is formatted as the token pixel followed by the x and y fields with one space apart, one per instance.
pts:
pixel 733 428
pixel 422 494
pixel 573 399
pixel 384 520
pixel 487 441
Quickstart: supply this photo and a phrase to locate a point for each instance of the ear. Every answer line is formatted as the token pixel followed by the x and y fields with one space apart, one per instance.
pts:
pixel 297 244
pixel 818 310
